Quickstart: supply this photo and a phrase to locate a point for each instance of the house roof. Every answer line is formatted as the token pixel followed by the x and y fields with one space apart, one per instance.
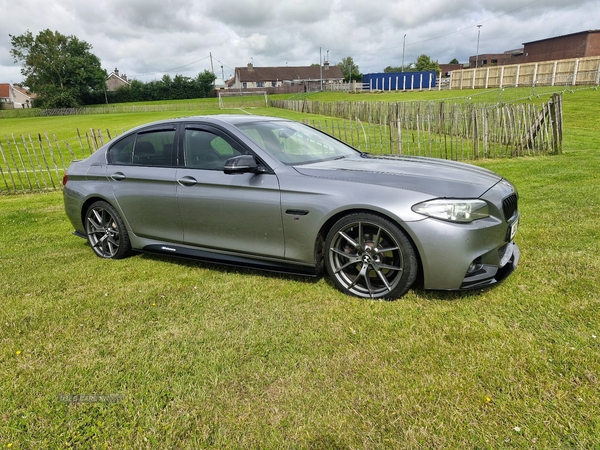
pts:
pixel 254 74
pixel 116 75
pixel 4 90
pixel 563 36
pixel 24 91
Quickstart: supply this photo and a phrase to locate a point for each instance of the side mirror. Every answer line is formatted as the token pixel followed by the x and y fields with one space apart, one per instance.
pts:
pixel 241 164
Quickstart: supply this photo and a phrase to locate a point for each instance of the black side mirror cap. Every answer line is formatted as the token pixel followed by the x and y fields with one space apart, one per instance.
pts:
pixel 241 164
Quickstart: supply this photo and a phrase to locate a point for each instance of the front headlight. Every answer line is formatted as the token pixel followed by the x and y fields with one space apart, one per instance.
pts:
pixel 453 210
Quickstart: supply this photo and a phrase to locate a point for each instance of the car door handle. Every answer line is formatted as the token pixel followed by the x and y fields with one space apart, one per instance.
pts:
pixel 119 176
pixel 187 181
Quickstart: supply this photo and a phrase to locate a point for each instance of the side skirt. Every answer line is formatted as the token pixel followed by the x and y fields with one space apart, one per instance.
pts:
pixel 230 260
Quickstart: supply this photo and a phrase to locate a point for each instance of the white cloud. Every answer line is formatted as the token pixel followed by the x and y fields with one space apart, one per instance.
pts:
pixel 143 38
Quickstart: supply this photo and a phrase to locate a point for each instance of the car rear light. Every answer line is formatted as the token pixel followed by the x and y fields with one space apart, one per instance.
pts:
pixel 65 179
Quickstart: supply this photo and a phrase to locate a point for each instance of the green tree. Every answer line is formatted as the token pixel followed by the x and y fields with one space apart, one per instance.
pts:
pixel 454 61
pixel 349 69
pixel 60 69
pixel 392 69
pixel 167 88
pixel 205 82
pixel 424 63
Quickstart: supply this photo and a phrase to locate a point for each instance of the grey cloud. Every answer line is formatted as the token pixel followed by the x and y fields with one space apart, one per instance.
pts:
pixel 145 37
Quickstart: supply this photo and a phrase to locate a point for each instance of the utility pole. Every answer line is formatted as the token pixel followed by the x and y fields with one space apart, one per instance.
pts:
pixel 403 48
pixel 321 67
pixel 212 69
pixel 477 54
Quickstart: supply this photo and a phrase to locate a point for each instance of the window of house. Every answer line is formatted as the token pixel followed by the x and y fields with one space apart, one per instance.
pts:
pixel 245 85
pixel 260 84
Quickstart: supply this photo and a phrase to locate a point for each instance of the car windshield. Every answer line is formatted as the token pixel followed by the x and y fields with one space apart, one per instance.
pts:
pixel 293 143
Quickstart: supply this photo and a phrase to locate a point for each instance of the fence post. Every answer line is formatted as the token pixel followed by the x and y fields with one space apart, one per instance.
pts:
pixel 18 150
pixel 556 120
pixel 575 68
pixel 9 171
pixel 41 144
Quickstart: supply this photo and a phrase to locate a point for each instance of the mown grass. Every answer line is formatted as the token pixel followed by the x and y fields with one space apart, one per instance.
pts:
pixel 191 355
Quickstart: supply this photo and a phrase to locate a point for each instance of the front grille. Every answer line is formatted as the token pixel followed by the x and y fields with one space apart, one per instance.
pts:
pixel 510 206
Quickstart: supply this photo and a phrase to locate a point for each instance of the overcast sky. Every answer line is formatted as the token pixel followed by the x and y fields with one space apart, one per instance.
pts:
pixel 147 38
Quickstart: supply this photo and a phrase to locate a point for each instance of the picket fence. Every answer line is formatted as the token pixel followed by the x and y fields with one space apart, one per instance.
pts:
pixel 457 131
pixel 38 163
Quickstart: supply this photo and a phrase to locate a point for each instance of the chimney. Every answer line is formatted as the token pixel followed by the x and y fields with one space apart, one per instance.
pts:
pixel 116 71
pixel 326 65
pixel 250 67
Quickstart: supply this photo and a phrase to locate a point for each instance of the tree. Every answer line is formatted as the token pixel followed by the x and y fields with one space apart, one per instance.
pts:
pixel 454 61
pixel 425 63
pixel 60 69
pixel 205 82
pixel 167 88
pixel 349 69
pixel 391 69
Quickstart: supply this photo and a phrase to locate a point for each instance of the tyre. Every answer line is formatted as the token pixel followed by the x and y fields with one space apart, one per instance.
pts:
pixel 370 257
pixel 106 231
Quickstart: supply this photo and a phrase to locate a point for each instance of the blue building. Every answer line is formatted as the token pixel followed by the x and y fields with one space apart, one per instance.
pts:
pixel 400 81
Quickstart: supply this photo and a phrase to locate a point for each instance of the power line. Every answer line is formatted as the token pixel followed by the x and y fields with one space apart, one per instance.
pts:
pixel 170 70
pixel 441 35
pixel 474 26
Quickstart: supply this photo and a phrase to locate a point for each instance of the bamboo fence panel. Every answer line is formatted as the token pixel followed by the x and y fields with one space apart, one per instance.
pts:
pixel 444 130
pixel 456 131
pixel 37 163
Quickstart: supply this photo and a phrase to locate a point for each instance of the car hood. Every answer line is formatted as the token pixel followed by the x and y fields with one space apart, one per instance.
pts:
pixel 437 177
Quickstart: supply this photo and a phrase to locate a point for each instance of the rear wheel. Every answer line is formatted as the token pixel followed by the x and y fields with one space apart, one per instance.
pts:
pixel 370 257
pixel 106 231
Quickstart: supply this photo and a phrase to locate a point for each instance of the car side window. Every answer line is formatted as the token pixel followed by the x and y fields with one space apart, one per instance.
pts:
pixel 155 148
pixel 207 150
pixel 122 151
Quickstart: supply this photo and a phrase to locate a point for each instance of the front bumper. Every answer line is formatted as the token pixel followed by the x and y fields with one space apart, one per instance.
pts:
pixel 491 275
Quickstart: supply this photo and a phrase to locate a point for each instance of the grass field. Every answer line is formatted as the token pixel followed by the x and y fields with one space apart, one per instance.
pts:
pixel 153 352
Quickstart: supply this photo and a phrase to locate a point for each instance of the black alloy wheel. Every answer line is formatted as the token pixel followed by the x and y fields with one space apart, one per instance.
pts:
pixel 106 231
pixel 368 256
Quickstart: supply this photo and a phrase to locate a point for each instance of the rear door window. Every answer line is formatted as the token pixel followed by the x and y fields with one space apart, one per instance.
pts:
pixel 152 148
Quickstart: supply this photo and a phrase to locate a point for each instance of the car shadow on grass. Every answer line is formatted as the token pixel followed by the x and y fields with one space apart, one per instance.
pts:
pixel 417 289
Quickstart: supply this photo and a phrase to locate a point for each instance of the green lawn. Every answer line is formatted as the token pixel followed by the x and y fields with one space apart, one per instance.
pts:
pixel 153 352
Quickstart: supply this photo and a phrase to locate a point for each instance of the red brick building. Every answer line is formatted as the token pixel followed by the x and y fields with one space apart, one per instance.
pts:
pixel 576 45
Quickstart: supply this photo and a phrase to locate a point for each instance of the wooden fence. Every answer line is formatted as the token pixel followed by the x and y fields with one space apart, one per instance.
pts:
pixel 183 107
pixel 38 163
pixel 565 72
pixel 458 131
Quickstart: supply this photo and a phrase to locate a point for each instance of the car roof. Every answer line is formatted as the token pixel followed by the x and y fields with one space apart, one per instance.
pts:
pixel 232 119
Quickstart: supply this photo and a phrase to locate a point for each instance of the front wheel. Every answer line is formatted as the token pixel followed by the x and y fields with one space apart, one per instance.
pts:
pixel 106 231
pixel 369 256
